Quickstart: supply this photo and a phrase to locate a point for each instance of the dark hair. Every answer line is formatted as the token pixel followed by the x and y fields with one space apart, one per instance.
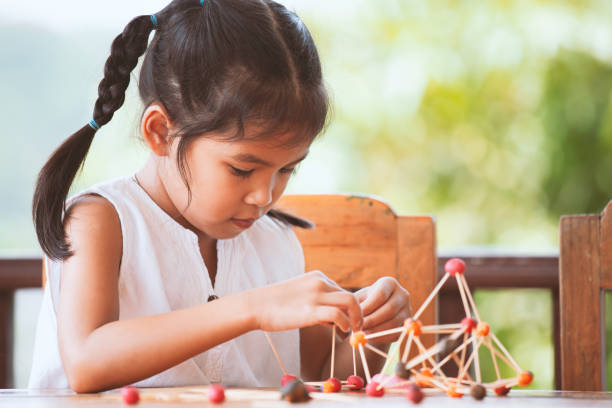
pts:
pixel 213 68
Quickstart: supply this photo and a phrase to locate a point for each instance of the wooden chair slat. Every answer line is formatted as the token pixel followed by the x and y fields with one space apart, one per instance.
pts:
pixel 606 247
pixel 585 262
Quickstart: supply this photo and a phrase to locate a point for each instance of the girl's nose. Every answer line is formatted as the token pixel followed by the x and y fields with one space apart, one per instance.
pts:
pixel 261 196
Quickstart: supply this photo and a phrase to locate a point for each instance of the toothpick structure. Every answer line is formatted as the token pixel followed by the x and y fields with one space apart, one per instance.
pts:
pixel 460 344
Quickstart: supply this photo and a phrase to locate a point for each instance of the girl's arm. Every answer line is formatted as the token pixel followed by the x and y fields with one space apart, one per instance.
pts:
pixel 100 352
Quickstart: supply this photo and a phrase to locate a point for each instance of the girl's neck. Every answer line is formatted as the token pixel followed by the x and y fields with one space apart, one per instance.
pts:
pixel 149 180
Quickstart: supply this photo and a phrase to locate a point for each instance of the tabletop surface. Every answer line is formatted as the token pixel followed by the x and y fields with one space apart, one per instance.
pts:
pixel 241 397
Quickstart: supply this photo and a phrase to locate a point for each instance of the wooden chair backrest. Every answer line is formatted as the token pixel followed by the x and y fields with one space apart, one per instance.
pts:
pixel 585 271
pixel 357 240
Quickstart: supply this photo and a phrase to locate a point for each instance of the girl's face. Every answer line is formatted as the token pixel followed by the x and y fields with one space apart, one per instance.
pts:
pixel 232 183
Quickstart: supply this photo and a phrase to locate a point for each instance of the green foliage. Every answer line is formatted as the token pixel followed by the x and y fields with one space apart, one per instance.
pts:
pixel 578 122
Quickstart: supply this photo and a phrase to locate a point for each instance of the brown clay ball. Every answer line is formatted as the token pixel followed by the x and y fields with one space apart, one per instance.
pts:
pixel 478 392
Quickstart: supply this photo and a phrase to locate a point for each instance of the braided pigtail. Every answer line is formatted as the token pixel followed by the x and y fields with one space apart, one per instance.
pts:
pixel 57 175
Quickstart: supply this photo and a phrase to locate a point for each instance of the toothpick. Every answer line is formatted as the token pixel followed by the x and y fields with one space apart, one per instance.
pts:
pixel 463 298
pixel 477 358
pixel 275 353
pixel 407 348
pixel 502 348
pixel 354 362
pixel 333 351
pixel 431 296
pixel 467 373
pixel 453 326
pixel 423 350
pixel 438 384
pixel 470 298
pixel 462 362
pixel 384 333
pixel 436 348
pixel 501 356
pixel 446 331
pixel 466 366
pixel 458 349
pixel 490 347
pixel 377 351
pixel 364 362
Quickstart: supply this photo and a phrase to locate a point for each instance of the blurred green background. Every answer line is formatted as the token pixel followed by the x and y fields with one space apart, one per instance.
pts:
pixel 493 116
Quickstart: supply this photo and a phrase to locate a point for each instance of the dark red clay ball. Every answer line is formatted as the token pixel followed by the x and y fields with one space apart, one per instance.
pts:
pixel 336 383
pixel 414 393
pixel 355 382
pixel 454 266
pixel 216 394
pixel 501 391
pixel 287 378
pixel 130 395
pixel 372 391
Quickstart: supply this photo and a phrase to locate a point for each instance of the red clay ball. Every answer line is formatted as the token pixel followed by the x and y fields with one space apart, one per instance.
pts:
pixel 468 324
pixel 336 383
pixel 454 266
pixel 130 395
pixel 355 382
pixel 414 393
pixel 216 394
pixel 287 378
pixel 372 391
pixel 501 391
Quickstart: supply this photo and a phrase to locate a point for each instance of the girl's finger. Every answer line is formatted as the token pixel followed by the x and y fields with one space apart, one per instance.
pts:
pixel 348 303
pixel 362 294
pixel 394 305
pixel 326 314
pixel 377 296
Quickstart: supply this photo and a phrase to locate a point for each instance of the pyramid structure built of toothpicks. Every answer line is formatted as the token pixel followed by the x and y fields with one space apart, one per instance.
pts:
pixel 426 368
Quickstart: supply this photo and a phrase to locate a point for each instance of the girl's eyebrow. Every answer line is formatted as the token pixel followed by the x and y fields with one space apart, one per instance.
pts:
pixel 250 158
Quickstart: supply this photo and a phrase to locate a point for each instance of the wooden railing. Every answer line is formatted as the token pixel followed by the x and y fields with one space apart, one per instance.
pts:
pixel 485 272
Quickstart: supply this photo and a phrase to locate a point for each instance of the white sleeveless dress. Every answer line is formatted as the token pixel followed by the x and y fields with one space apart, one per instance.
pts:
pixel 162 270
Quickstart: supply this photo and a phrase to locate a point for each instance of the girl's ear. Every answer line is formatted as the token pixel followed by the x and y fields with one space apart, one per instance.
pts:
pixel 155 127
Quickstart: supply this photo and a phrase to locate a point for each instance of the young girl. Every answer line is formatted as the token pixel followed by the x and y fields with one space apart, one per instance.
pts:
pixel 168 276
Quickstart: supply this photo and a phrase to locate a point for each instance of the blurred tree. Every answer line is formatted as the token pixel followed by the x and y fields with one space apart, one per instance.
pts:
pixel 577 117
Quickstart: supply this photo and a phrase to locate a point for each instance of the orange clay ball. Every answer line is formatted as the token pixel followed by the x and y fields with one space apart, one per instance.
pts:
pixel 413 326
pixel 525 378
pixel 452 392
pixel 358 339
pixel 482 330
pixel 422 378
pixel 328 386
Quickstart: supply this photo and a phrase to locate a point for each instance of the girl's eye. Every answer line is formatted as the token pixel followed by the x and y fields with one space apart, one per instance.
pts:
pixel 241 173
pixel 288 171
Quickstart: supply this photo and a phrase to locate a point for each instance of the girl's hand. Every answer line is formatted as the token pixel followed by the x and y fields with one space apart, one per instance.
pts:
pixel 385 305
pixel 305 301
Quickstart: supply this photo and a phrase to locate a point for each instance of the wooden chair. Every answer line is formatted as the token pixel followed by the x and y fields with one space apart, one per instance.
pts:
pixel 585 271
pixel 357 240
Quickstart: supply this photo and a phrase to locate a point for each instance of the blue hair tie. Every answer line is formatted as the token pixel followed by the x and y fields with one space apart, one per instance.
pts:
pixel 154 20
pixel 94 125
